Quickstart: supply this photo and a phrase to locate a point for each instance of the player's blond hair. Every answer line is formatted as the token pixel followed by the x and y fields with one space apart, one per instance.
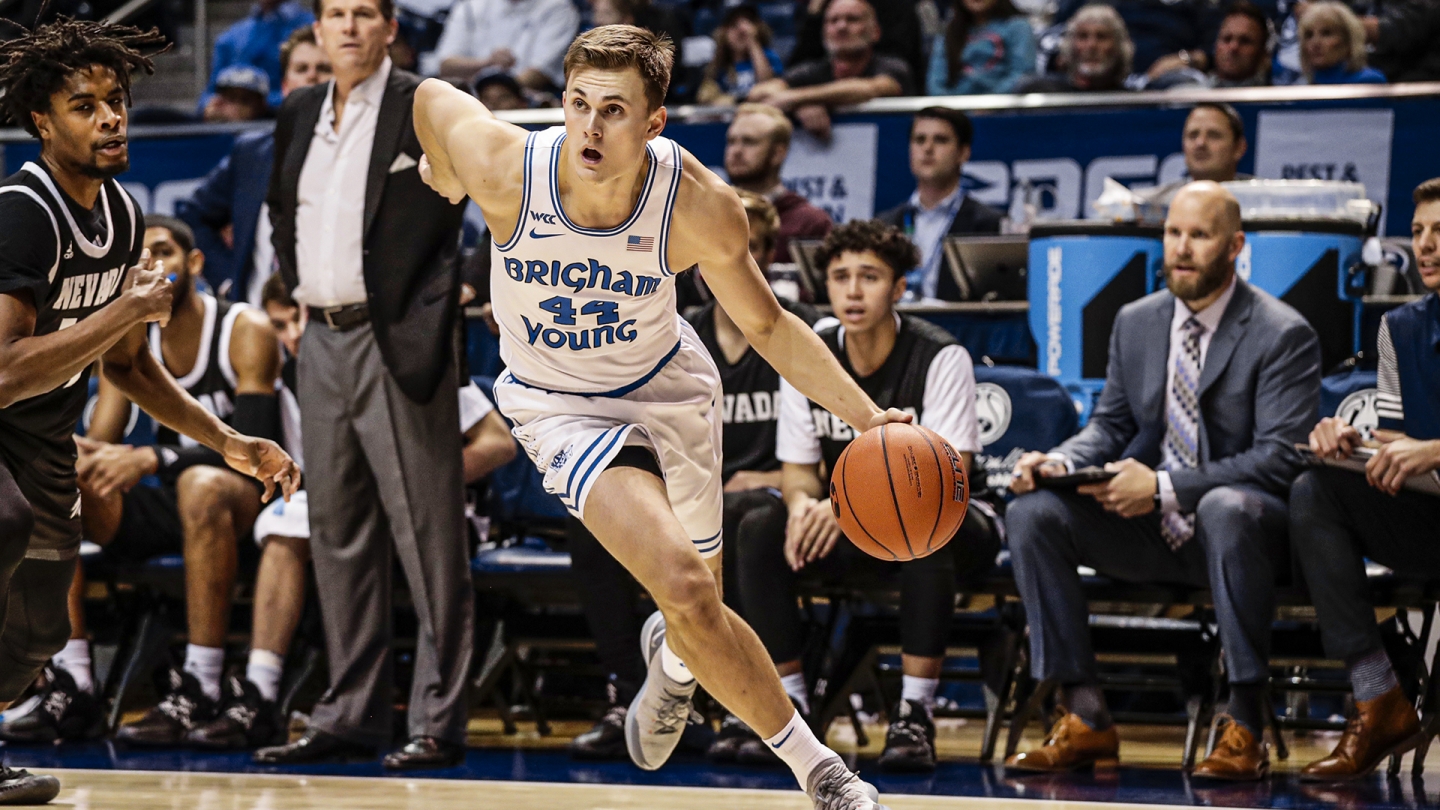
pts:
pixel 618 47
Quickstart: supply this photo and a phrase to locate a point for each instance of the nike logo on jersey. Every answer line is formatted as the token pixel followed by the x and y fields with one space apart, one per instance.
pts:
pixel 534 235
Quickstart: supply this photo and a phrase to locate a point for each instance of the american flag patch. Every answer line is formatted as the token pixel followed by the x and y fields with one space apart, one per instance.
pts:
pixel 640 244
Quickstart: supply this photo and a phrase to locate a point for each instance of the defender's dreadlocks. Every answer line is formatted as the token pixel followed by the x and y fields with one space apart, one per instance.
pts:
pixel 35 66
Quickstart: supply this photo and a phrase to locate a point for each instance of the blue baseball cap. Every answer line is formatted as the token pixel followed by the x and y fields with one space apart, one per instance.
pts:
pixel 243 77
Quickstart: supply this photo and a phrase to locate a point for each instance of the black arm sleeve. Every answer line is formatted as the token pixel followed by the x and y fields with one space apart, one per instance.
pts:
pixel 258 415
pixel 175 459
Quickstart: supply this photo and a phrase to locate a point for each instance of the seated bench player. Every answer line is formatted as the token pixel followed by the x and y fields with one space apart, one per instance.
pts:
pixel 901 362
pixel 752 483
pixel 1210 384
pixel 1338 518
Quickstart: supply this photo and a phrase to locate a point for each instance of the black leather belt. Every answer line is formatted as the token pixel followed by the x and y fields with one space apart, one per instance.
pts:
pixel 342 319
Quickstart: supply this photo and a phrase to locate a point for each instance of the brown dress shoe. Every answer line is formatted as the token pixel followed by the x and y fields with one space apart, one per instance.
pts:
pixel 1239 757
pixel 1071 746
pixel 1379 728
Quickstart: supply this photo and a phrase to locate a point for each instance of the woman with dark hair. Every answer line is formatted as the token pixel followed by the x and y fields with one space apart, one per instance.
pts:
pixel 743 58
pixel 987 47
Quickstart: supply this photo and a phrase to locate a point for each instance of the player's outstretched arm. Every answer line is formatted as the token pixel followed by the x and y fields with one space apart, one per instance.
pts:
pixel 468 151
pixel 133 369
pixel 31 365
pixel 713 231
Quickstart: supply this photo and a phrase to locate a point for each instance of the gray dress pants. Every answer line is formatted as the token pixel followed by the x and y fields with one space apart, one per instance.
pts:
pixel 1239 540
pixel 384 478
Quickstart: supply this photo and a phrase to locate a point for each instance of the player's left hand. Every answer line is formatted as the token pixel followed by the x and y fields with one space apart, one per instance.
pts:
pixel 104 468
pixel 1131 493
pixel 264 460
pixel 1400 459
pixel 888 416
pixel 449 188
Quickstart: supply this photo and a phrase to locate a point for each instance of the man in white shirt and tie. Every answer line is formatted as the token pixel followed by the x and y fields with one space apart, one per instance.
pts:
pixel 1210 384
pixel 370 251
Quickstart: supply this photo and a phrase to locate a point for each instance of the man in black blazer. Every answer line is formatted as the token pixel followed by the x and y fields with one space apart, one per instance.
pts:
pixel 370 251
pixel 939 208
pixel 1211 382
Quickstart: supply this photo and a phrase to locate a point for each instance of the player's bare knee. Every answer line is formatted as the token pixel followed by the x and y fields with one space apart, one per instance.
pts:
pixel 689 597
pixel 206 495
pixel 288 549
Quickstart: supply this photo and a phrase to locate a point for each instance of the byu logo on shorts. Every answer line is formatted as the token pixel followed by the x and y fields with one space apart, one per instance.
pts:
pixel 992 411
pixel 559 460
pixel 1358 409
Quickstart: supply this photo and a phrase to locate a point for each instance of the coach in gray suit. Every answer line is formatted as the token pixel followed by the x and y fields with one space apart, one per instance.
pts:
pixel 370 251
pixel 1210 385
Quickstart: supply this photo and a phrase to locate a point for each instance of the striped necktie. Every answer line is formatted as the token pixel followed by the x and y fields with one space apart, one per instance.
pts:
pixel 1181 449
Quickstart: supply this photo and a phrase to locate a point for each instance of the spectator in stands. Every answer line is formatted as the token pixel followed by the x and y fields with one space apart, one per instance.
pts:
pixel 752 483
pixel 1241 56
pixel 498 90
pixel 256 41
pixel 851 73
pixel 907 363
pixel 526 38
pixel 240 93
pixel 1337 521
pixel 1332 46
pixel 1159 27
pixel 1406 39
pixel 743 58
pixel 900 32
pixel 225 356
pixel 1096 54
pixel 939 146
pixel 227 211
pixel 1213 141
pixel 378 396
pixel 756 145
pixel 1198 496
pixel 987 47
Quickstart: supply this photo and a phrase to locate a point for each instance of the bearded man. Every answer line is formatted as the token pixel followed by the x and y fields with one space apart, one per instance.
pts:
pixel 1211 382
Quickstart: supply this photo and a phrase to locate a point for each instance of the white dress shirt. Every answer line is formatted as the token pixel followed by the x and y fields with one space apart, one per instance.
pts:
pixel 536 32
pixel 262 258
pixel 330 217
pixel 1209 318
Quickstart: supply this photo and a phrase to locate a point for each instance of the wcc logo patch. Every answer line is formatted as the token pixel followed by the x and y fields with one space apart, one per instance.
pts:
pixel 993 410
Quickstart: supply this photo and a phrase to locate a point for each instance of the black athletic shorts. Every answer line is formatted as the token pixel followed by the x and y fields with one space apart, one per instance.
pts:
pixel 48 483
pixel 150 527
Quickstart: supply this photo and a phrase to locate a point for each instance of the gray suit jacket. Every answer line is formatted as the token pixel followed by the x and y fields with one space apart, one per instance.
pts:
pixel 1259 395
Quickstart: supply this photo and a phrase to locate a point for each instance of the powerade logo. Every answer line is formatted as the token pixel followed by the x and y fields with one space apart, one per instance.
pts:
pixel 1054 317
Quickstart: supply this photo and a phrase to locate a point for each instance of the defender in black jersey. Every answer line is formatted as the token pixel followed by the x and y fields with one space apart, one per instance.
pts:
pixel 74 288
pixel 226 356
pixel 901 362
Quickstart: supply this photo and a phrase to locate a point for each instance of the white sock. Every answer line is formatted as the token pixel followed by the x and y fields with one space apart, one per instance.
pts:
pixel 674 667
pixel 206 664
pixel 264 670
pixel 920 690
pixel 795 687
pixel 798 747
pixel 75 660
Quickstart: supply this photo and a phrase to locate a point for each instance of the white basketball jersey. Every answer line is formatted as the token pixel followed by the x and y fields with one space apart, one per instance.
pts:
pixel 586 310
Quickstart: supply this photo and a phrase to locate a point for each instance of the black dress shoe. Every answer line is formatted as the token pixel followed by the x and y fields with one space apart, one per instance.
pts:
pixel 314 746
pixel 425 752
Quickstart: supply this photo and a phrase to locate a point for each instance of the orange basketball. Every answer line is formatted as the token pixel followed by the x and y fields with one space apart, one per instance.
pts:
pixel 899 491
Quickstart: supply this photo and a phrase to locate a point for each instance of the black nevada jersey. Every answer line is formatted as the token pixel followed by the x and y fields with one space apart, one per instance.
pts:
pixel 73 262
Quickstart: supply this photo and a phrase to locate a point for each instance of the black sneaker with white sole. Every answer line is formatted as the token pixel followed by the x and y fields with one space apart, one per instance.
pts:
pixel 733 734
pixel 910 740
pixel 246 721
pixel 63 713
pixel 185 706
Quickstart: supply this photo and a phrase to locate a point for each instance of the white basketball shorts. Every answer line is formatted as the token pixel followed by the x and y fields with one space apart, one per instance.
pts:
pixel 673 411
pixel 284 519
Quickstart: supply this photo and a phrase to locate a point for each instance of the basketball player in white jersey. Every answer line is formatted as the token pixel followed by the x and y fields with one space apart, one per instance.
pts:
pixel 611 393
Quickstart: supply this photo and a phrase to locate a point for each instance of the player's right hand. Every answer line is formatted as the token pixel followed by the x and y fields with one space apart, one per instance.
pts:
pixel 146 285
pixel 1022 478
pixel 1334 438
